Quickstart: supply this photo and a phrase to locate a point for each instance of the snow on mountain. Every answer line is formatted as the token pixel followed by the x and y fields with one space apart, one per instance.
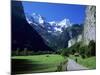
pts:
pixel 58 29
pixel 28 20
pixel 52 23
pixel 49 31
pixel 53 26
pixel 64 23
pixel 38 18
pixel 59 26
pixel 41 21
pixel 54 33
pixel 35 19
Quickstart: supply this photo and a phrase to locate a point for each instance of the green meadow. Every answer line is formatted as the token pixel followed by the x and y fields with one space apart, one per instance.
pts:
pixel 89 62
pixel 36 63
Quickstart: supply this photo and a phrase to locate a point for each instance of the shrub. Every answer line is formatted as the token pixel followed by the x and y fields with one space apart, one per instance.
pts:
pixel 88 50
pixel 83 50
pixel 75 48
pixel 59 67
pixel 47 55
pixel 92 48
pixel 83 56
pixel 65 52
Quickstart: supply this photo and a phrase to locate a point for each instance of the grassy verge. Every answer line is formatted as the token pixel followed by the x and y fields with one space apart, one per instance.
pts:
pixel 36 63
pixel 87 62
pixel 62 66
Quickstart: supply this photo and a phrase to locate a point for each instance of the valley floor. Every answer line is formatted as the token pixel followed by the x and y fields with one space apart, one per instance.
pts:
pixel 36 63
pixel 87 62
pixel 50 63
pixel 74 66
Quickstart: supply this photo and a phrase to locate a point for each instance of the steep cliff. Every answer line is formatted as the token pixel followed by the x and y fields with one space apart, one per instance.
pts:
pixel 74 40
pixel 89 32
pixel 89 28
pixel 23 35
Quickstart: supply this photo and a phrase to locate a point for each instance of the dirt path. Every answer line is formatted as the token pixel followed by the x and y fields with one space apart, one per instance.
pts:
pixel 73 66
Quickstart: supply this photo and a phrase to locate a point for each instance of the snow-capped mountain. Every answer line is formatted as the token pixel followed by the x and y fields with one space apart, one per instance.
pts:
pixel 38 18
pixel 51 27
pixel 56 34
pixel 64 23
pixel 61 25
pixel 35 19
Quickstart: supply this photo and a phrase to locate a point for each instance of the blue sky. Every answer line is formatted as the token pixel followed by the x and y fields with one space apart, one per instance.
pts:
pixel 56 12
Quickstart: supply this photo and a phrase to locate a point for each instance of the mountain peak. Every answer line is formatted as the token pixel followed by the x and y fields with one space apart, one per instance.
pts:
pixel 52 22
pixel 53 26
pixel 38 18
pixel 64 23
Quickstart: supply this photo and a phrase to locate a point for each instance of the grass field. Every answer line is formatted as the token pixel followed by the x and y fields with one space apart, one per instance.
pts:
pixel 36 63
pixel 87 62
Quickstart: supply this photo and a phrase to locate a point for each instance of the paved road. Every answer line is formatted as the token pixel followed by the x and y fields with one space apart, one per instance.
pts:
pixel 73 66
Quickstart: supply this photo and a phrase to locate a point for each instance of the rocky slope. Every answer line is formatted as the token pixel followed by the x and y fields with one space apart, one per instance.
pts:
pixel 89 32
pixel 74 40
pixel 89 28
pixel 23 35
pixel 35 33
pixel 56 34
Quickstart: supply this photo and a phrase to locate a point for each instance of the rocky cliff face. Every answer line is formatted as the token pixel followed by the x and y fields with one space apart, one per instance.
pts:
pixel 89 32
pixel 74 40
pixel 89 28
pixel 23 35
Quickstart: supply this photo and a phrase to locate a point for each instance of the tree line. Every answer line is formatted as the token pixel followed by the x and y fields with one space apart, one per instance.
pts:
pixel 80 49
